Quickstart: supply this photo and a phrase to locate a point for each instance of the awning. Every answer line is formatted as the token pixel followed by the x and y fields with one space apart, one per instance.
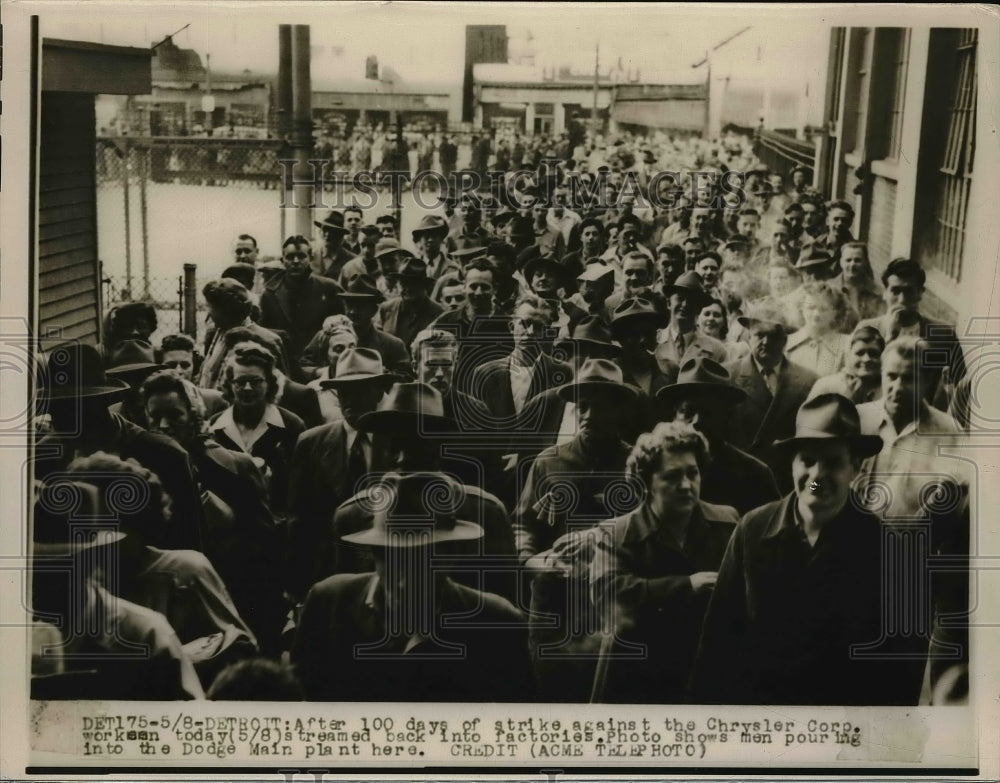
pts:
pixel 666 115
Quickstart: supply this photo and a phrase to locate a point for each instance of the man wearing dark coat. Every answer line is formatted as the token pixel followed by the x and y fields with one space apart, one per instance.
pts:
pixel 413 310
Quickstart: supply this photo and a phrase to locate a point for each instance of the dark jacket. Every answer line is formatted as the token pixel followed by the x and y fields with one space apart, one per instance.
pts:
pixel 480 339
pixel 300 312
pixel 477 651
pixel 319 484
pixel 762 418
pixel 300 400
pixel 407 319
pixel 492 384
pixel 640 581
pixel 734 478
pixel 784 615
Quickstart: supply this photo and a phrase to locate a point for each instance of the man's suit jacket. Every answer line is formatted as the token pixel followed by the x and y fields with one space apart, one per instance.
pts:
pixel 476 650
pixel 319 484
pixel 330 268
pixel 406 319
pixel 943 338
pixel 300 400
pixel 762 418
pixel 491 382
pixel 300 312
pixel 395 354
pixel 695 345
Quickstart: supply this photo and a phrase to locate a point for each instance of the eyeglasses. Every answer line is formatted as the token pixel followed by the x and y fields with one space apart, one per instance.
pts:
pixel 254 382
pixel 173 365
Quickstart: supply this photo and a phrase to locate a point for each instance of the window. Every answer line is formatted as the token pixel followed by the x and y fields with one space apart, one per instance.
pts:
pixel 898 56
pixel 863 83
pixel 955 172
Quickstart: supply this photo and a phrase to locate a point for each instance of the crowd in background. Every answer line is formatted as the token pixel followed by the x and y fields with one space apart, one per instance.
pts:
pixel 613 449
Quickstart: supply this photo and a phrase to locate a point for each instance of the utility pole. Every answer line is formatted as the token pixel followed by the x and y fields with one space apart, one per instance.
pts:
pixel 304 193
pixel 593 108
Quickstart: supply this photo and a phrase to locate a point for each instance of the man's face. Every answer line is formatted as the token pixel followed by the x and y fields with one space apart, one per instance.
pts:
pixel 708 271
pixel 596 416
pixel 352 222
pixel 453 296
pixel 839 222
pixel 543 281
pixel 361 312
pixel 628 237
pixel 169 415
pixel 900 387
pixel 296 261
pixel 528 325
pixel 436 367
pixel 794 219
pixel 358 398
pixel 386 230
pixel 767 341
pixel 411 290
pixel 799 180
pixel 779 281
pixel 594 292
pixel 246 251
pixel 539 213
pixel 810 216
pixel 333 240
pixel 747 225
pixel 429 244
pixel 691 252
pixel 181 362
pixel 637 273
pixel 479 290
pixel 590 238
pixel 902 293
pixel 675 485
pixel 852 263
pixel 337 345
pixel 683 310
pixel 822 474
pixel 700 221
pixel 865 360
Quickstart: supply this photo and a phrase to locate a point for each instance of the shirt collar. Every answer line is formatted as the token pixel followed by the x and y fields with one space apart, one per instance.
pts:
pixel 272 417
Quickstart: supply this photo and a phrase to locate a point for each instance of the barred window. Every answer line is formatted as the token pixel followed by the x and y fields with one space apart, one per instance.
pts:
pixel 955 172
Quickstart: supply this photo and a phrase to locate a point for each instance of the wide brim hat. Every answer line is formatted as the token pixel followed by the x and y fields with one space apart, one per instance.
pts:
pixel 133 357
pixel 465 255
pixel 591 330
pixel 635 312
pixel 69 518
pixel 702 376
pixel 416 509
pixel 601 375
pixel 765 314
pixel 363 287
pixel 357 366
pixel 410 268
pixel 73 371
pixel 689 284
pixel 408 406
pixel 830 417
pixel 430 224
pixel 532 259
pixel 387 246
pixel 334 221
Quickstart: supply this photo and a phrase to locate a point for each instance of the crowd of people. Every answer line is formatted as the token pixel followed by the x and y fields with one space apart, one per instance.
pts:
pixel 608 451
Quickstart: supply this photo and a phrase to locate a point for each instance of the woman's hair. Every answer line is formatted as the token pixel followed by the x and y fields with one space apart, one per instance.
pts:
pixel 166 382
pixel 176 342
pixel 249 354
pixel 256 679
pixel 669 437
pixel 230 296
pixel 821 291
pixel 135 494
pixel 725 320
pixel 868 334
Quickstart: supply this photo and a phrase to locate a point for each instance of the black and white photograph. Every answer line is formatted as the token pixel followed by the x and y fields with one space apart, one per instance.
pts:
pixel 569 386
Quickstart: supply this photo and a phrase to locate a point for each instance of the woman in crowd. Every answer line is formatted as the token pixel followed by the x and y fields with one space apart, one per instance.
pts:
pixel 818 346
pixel 253 423
pixel 713 321
pixel 654 570
pixel 861 379
pixel 340 336
pixel 857 282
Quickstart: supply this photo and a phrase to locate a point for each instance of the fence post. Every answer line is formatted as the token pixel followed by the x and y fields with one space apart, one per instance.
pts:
pixel 128 233
pixel 143 173
pixel 189 295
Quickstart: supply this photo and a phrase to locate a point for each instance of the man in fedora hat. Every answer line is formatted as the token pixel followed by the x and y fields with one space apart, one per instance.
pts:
pixel 685 298
pixel 469 231
pixel 75 391
pixel 638 271
pixel 799 593
pixel 330 462
pixel 703 396
pixel 335 255
pixel 775 388
pixel 588 235
pixel 132 361
pixel 505 385
pixel 413 310
pixel 428 237
pixel 544 274
pixel 421 438
pixel 361 304
pixel 595 286
pixel 100 632
pixel 299 301
pixel 407 631
pixel 590 460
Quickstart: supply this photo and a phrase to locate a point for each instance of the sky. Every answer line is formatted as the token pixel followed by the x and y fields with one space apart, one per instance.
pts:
pixel 425 42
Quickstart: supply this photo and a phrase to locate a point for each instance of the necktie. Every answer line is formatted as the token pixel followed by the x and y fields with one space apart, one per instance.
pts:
pixel 680 346
pixel 357 467
pixel 771 379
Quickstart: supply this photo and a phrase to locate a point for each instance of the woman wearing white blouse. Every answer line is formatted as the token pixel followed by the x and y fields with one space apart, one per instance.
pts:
pixel 817 345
